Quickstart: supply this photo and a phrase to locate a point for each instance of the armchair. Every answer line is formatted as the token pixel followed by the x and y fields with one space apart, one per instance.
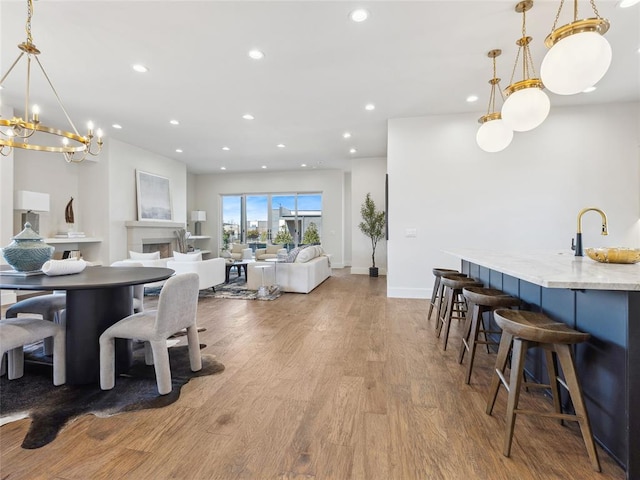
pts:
pixel 210 272
pixel 271 251
pixel 240 251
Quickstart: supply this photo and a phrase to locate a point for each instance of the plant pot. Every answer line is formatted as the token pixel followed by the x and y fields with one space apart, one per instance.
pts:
pixel 373 271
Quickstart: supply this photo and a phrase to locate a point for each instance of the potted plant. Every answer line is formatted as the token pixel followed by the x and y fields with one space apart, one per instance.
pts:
pixel 372 226
pixel 311 235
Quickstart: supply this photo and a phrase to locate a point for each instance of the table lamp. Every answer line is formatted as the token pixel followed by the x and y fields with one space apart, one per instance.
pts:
pixel 198 216
pixel 31 202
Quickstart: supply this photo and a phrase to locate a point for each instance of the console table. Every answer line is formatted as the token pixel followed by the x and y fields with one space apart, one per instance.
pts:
pixel 97 298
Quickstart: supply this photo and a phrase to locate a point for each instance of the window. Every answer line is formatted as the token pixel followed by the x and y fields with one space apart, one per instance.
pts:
pixel 261 219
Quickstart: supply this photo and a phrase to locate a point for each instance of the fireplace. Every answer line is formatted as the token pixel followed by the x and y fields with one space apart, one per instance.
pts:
pixel 165 249
pixel 149 236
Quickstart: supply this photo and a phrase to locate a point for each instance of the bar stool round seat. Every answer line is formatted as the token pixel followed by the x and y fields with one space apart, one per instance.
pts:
pixel 522 330
pixel 436 294
pixel 453 301
pixel 480 300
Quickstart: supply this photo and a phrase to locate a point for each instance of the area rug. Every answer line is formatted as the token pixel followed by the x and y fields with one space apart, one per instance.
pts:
pixel 51 408
pixel 236 288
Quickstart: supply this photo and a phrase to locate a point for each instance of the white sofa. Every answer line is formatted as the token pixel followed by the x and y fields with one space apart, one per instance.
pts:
pixel 210 272
pixel 147 262
pixel 297 277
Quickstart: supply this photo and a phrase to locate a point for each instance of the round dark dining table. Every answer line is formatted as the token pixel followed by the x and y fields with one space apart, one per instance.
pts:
pixel 97 298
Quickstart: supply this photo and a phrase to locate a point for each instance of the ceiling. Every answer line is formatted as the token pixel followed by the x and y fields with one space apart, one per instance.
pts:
pixel 409 59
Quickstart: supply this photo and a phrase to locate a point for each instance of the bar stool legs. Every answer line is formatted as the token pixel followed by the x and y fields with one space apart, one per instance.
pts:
pixel 436 295
pixel 521 331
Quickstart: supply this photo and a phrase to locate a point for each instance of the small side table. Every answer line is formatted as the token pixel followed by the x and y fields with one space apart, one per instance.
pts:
pixel 263 291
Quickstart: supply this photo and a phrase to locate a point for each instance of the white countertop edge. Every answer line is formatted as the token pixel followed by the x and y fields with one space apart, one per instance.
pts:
pixel 555 269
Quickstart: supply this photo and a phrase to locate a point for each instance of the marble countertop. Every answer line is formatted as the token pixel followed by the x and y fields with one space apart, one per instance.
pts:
pixel 556 269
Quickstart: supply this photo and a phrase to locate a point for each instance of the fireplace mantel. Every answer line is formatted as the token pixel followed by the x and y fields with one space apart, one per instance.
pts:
pixel 140 233
pixel 153 224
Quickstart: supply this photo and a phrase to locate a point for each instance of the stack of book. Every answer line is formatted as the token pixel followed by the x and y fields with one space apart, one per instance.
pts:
pixel 71 235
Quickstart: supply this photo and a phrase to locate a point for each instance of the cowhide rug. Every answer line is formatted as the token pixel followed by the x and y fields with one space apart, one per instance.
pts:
pixel 51 408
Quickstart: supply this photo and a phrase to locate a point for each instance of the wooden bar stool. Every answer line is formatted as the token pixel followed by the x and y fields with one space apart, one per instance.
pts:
pixel 454 303
pixel 526 330
pixel 436 295
pixel 480 300
pixel 441 297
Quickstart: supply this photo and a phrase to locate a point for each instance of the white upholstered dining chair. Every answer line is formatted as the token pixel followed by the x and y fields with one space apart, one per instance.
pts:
pixel 15 333
pixel 177 308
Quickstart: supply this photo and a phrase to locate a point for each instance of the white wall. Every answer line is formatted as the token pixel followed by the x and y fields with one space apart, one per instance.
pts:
pixel 328 182
pixel 367 176
pixel 123 161
pixel 526 197
pixel 6 206
pixel 347 219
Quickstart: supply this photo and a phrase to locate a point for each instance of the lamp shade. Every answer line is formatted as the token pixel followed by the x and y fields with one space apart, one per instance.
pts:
pixel 576 62
pixel 494 136
pixel 525 109
pixel 198 216
pixel 33 201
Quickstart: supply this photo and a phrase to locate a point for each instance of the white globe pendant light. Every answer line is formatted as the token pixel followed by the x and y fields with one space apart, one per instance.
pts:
pixel 579 55
pixel 493 134
pixel 526 106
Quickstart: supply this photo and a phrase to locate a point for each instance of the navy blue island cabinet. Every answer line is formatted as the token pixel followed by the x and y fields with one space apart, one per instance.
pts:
pixel 601 299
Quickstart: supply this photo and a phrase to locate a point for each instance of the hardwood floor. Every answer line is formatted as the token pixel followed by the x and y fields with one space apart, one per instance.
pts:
pixel 341 383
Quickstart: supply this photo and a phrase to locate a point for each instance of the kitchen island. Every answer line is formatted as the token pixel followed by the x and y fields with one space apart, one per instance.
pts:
pixel 601 299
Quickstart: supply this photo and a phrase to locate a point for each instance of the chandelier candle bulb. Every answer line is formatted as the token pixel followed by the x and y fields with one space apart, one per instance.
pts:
pixel 36 113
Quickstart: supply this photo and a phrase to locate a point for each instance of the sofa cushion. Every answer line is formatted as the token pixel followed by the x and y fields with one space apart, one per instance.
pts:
pixel 144 256
pixel 187 257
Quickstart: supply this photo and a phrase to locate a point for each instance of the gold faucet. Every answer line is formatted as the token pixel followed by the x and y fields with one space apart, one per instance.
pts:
pixel 577 246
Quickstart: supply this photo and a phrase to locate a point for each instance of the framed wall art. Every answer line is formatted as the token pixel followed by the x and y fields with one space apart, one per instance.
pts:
pixel 153 195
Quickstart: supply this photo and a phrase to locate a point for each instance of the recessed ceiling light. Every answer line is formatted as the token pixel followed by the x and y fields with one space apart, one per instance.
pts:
pixel 346 135
pixel 281 145
pixel 256 54
pixel 117 126
pixel 472 98
pixel 248 116
pixel 627 3
pixel 352 150
pixel 359 15
pixel 226 149
pixel 140 68
pixel 264 166
pixel 174 122
pixel 589 89
pixel 369 106
pixel 303 165
pixel 178 150
pixel 223 168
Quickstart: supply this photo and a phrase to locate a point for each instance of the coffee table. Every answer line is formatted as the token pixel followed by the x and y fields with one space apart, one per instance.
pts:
pixel 239 265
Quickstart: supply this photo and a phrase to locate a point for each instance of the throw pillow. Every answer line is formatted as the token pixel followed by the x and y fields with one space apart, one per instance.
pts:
pixel 306 254
pixel 144 256
pixel 293 254
pixel 187 257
